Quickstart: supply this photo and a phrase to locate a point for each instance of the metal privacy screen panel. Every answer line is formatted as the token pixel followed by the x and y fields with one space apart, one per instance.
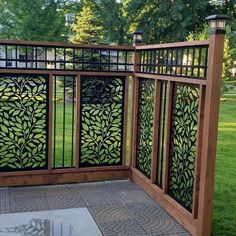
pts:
pixel 23 122
pixel 183 143
pixel 145 125
pixel 101 120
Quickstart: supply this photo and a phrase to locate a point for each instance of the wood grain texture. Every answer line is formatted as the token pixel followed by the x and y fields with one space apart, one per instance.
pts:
pixel 210 128
pixel 77 121
pixel 125 118
pixel 167 138
pixel 60 44
pixel 197 164
pixel 172 78
pixel 156 130
pixel 174 45
pixel 40 178
pixel 62 72
pixel 135 121
pixel 50 121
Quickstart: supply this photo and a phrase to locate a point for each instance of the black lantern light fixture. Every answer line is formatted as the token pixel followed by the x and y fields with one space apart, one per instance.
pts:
pixel 138 37
pixel 217 23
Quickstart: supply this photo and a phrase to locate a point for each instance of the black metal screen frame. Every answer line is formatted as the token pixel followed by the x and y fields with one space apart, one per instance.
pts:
pixel 46 76
pixel 123 78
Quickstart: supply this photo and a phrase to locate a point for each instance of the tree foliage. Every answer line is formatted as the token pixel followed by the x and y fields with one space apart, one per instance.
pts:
pixel 87 28
pixel 114 22
pixel 31 20
pixel 166 20
pixel 229 53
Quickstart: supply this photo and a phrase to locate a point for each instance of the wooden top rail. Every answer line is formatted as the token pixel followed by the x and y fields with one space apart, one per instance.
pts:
pixel 61 44
pixel 174 45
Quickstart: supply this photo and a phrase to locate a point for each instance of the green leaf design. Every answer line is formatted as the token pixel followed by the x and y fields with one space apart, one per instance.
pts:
pixel 101 115
pixel 183 143
pixel 145 125
pixel 23 122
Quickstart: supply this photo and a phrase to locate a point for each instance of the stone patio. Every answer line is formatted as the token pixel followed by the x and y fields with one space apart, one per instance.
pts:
pixel 118 207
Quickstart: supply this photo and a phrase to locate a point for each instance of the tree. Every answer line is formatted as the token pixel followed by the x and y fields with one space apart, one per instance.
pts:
pixel 86 28
pixel 229 53
pixel 166 20
pixel 39 20
pixel 113 21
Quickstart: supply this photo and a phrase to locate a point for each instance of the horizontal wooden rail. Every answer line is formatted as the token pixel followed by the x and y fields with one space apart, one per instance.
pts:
pixel 172 78
pixel 61 44
pixel 58 72
pixel 174 45
pixel 64 176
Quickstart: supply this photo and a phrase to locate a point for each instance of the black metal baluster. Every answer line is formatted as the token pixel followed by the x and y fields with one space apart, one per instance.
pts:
pixel 163 130
pixel 154 61
pixel 158 63
pixel 171 61
pixel 55 120
pixel 176 61
pixel 181 61
pixel 126 60
pixel 199 62
pixel 206 58
pixel 193 58
pixel 150 61
pixel 186 72
pixel 16 56
pixel 26 57
pixel 73 120
pixel 167 61
pixel 83 58
pixel 100 60
pixel 109 59
pixel 117 60
pixel 6 56
pixel 64 120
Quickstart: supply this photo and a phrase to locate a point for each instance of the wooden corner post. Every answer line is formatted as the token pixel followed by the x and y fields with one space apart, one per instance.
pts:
pixel 210 127
pixel 134 114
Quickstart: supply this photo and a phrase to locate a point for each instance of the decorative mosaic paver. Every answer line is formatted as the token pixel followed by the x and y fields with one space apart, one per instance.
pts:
pixel 118 207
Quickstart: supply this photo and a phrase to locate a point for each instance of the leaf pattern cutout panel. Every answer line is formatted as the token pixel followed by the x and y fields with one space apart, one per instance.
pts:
pixel 23 122
pixel 101 124
pixel 183 143
pixel 145 125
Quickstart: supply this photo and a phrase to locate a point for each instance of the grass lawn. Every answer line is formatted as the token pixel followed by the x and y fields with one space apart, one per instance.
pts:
pixel 67 130
pixel 224 213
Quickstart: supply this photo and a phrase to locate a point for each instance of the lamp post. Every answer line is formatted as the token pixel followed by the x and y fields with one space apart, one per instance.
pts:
pixel 137 37
pixel 217 23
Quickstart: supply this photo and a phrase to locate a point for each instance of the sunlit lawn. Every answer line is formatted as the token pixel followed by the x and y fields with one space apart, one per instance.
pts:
pixel 67 130
pixel 224 214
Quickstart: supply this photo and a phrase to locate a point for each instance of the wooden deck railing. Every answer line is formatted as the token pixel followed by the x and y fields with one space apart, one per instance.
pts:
pixel 64 109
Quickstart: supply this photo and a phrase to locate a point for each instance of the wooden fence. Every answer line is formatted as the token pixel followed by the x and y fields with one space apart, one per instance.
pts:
pixel 64 112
